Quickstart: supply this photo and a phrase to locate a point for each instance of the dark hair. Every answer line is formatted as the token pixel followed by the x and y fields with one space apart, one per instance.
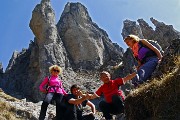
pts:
pixel 74 86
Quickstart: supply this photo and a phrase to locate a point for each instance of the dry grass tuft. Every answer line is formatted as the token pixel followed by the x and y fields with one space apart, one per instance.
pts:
pixel 157 100
pixel 7 112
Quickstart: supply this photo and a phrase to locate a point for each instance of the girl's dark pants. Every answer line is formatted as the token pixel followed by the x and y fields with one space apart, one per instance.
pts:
pixel 57 97
pixel 116 107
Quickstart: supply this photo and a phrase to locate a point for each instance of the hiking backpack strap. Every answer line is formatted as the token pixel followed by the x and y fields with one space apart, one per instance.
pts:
pixel 47 86
pixel 150 53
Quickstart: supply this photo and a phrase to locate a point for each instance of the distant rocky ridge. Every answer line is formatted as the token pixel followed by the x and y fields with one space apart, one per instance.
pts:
pixel 78 45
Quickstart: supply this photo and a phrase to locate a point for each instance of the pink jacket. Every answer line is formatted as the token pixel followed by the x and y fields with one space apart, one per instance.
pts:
pixel 55 85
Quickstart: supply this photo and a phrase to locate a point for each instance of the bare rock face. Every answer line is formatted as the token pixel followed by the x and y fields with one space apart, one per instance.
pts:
pixel 12 60
pixel 170 59
pixel 88 46
pixel 76 44
pixel 16 74
pixel 43 23
pixel 47 39
pixel 130 27
pixel 88 50
pixel 147 31
pixel 28 68
pixel 164 34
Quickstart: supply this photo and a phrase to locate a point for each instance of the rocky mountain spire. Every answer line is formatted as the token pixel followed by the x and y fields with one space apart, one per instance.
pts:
pixel 81 47
pixel 48 49
pixel 130 27
pixel 75 43
pixel 88 45
pixel 42 23
pixel 163 33
pixel 147 30
pixel 12 60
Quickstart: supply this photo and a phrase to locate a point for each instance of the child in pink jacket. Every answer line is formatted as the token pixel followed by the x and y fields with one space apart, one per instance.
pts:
pixel 54 90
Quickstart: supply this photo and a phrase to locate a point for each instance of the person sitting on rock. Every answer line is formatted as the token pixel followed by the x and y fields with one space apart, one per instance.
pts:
pixel 113 103
pixel 75 103
pixel 147 56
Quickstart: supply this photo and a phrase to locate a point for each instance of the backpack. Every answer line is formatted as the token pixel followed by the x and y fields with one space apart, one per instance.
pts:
pixel 156 44
pixel 150 53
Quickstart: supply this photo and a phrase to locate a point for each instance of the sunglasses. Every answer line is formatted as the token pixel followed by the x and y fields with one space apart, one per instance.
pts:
pixel 56 70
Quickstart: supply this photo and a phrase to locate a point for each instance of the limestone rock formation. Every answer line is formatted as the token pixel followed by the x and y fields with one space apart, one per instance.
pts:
pixel 12 60
pixel 88 45
pixel 80 47
pixel 48 48
pixel 28 68
pixel 130 27
pixel 75 43
pixel 169 60
pixel 164 34
pixel 88 50
pixel 16 75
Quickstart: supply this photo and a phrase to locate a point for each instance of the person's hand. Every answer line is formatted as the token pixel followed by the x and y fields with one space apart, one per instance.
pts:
pixel 79 93
pixel 159 61
pixel 89 96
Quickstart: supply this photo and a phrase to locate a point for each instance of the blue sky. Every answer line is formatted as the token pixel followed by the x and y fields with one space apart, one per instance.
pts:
pixel 109 15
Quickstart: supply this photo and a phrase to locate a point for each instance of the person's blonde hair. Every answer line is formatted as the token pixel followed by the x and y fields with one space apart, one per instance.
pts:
pixel 132 37
pixel 55 67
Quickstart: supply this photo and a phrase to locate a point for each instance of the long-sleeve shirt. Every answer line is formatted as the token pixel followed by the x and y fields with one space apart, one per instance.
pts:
pixel 54 85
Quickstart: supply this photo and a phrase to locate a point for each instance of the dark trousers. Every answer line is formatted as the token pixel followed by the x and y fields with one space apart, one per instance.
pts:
pixel 116 107
pixel 57 97
pixel 88 117
pixel 74 115
pixel 80 116
pixel 70 114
